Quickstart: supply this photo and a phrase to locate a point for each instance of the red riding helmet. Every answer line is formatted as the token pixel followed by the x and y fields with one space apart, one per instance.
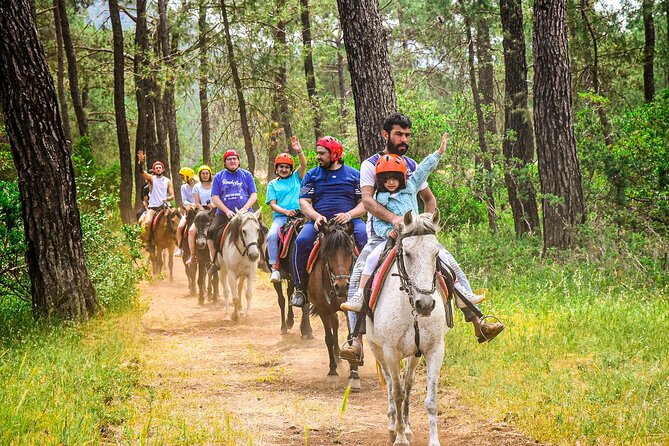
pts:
pixel 333 145
pixel 388 165
pixel 284 158
pixel 158 163
pixel 230 152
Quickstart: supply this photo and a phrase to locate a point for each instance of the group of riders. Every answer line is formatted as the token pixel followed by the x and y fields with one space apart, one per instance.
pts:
pixel 385 188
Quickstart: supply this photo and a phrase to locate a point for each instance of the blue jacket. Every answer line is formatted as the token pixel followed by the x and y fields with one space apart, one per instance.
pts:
pixel 405 200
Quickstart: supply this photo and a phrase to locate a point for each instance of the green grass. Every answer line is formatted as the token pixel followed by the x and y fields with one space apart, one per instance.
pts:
pixel 66 385
pixel 585 356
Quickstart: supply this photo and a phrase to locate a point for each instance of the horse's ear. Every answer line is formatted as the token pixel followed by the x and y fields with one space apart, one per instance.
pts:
pixel 212 212
pixel 408 218
pixel 258 214
pixel 435 217
pixel 239 212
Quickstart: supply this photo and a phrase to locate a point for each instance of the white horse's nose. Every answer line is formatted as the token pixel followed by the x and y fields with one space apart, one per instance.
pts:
pixel 425 306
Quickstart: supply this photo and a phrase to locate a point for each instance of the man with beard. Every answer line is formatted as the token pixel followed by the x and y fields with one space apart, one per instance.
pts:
pixel 232 190
pixel 161 191
pixel 329 191
pixel 397 134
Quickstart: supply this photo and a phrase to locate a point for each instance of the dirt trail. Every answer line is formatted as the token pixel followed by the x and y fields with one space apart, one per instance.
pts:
pixel 276 386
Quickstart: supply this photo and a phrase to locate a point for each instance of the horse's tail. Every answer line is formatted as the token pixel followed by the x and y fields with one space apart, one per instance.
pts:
pixel 380 376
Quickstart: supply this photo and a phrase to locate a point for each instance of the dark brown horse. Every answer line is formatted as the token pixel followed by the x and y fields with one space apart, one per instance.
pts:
pixel 197 270
pixel 328 285
pixel 287 320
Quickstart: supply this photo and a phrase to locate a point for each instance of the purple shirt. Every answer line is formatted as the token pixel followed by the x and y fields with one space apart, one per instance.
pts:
pixel 233 188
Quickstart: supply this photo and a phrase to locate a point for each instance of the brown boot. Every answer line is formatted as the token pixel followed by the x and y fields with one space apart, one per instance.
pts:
pixel 353 353
pixel 490 331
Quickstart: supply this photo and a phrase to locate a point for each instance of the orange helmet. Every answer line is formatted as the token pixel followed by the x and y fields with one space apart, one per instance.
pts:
pixel 284 158
pixel 390 165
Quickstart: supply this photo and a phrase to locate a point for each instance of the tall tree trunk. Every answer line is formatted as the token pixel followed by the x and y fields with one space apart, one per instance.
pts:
pixel 666 59
pixel 156 96
pixel 312 92
pixel 518 142
pixel 145 136
pixel 341 79
pixel 596 85
pixel 73 75
pixel 203 83
pixel 486 71
pixel 169 105
pixel 60 74
pixel 369 65
pixel 489 199
pixel 248 145
pixel 125 204
pixel 648 50
pixel 559 170
pixel 60 284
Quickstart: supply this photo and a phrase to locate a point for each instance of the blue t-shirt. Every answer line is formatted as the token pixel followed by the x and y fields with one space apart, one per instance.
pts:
pixel 332 191
pixel 233 188
pixel 286 192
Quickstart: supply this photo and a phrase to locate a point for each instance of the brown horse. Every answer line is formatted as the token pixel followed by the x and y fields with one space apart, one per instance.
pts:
pixel 328 286
pixel 165 224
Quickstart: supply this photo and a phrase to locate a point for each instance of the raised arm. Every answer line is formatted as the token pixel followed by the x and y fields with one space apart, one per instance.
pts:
pixel 295 143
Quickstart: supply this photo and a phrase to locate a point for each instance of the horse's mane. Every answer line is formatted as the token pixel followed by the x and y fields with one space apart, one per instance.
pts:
pixel 420 225
pixel 236 224
pixel 337 238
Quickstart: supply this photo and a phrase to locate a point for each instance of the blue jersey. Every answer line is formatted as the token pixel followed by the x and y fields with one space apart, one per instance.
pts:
pixel 332 191
pixel 233 188
pixel 286 192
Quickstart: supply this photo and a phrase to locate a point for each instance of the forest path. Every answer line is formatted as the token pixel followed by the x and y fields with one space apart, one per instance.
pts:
pixel 275 387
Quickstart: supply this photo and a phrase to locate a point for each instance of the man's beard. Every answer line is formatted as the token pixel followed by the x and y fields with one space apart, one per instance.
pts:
pixel 399 149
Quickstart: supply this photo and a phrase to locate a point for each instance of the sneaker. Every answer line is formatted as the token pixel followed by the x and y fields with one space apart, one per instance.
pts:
pixel 474 299
pixel 490 331
pixel 275 277
pixel 354 303
pixel 178 252
pixel 297 299
pixel 191 260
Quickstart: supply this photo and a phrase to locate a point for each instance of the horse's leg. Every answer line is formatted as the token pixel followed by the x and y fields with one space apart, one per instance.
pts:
pixel 329 342
pixel 290 319
pixel 232 283
pixel 397 392
pixel 281 300
pixel 409 374
pixel 170 261
pixel 250 280
pixel 201 277
pixel 433 360
pixel 335 336
pixel 223 280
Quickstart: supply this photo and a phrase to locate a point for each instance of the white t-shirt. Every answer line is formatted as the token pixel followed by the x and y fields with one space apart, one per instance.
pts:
pixel 203 193
pixel 158 191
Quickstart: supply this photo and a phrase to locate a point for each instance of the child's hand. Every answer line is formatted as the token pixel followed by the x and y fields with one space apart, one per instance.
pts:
pixel 444 142
pixel 295 143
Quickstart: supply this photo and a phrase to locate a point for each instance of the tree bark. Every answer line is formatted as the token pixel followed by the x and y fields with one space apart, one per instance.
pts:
pixel 489 199
pixel 60 284
pixel 341 79
pixel 73 75
pixel 170 109
pixel 648 50
pixel 248 145
pixel 60 74
pixel 369 64
pixel 518 142
pixel 125 159
pixel 486 71
pixel 157 99
pixel 203 85
pixel 312 92
pixel 145 136
pixel 559 170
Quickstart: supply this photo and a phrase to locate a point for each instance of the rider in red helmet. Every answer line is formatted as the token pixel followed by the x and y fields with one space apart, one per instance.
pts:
pixel 161 191
pixel 233 190
pixel 329 191
pixel 283 196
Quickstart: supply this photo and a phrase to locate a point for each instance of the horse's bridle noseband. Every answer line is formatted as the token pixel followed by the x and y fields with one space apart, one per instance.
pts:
pixel 332 276
pixel 246 245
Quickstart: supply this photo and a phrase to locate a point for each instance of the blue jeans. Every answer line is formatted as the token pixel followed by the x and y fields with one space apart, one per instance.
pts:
pixel 273 239
pixel 305 242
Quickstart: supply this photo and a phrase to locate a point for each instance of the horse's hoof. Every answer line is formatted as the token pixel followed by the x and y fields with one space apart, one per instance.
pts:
pixel 290 322
pixel 333 377
pixel 200 301
pixel 226 318
pixel 408 433
pixel 354 384
pixel 401 440
pixel 284 331
pixel 308 337
pixel 392 435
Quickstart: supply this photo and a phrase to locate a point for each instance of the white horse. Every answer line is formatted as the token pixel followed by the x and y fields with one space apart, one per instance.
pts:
pixel 409 320
pixel 238 261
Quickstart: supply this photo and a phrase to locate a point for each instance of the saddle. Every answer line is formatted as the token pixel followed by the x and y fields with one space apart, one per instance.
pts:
pixel 156 219
pixel 287 235
pixel 224 234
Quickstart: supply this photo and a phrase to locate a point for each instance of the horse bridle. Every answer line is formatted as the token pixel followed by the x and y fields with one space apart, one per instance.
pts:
pixel 246 245
pixel 334 277
pixel 407 285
